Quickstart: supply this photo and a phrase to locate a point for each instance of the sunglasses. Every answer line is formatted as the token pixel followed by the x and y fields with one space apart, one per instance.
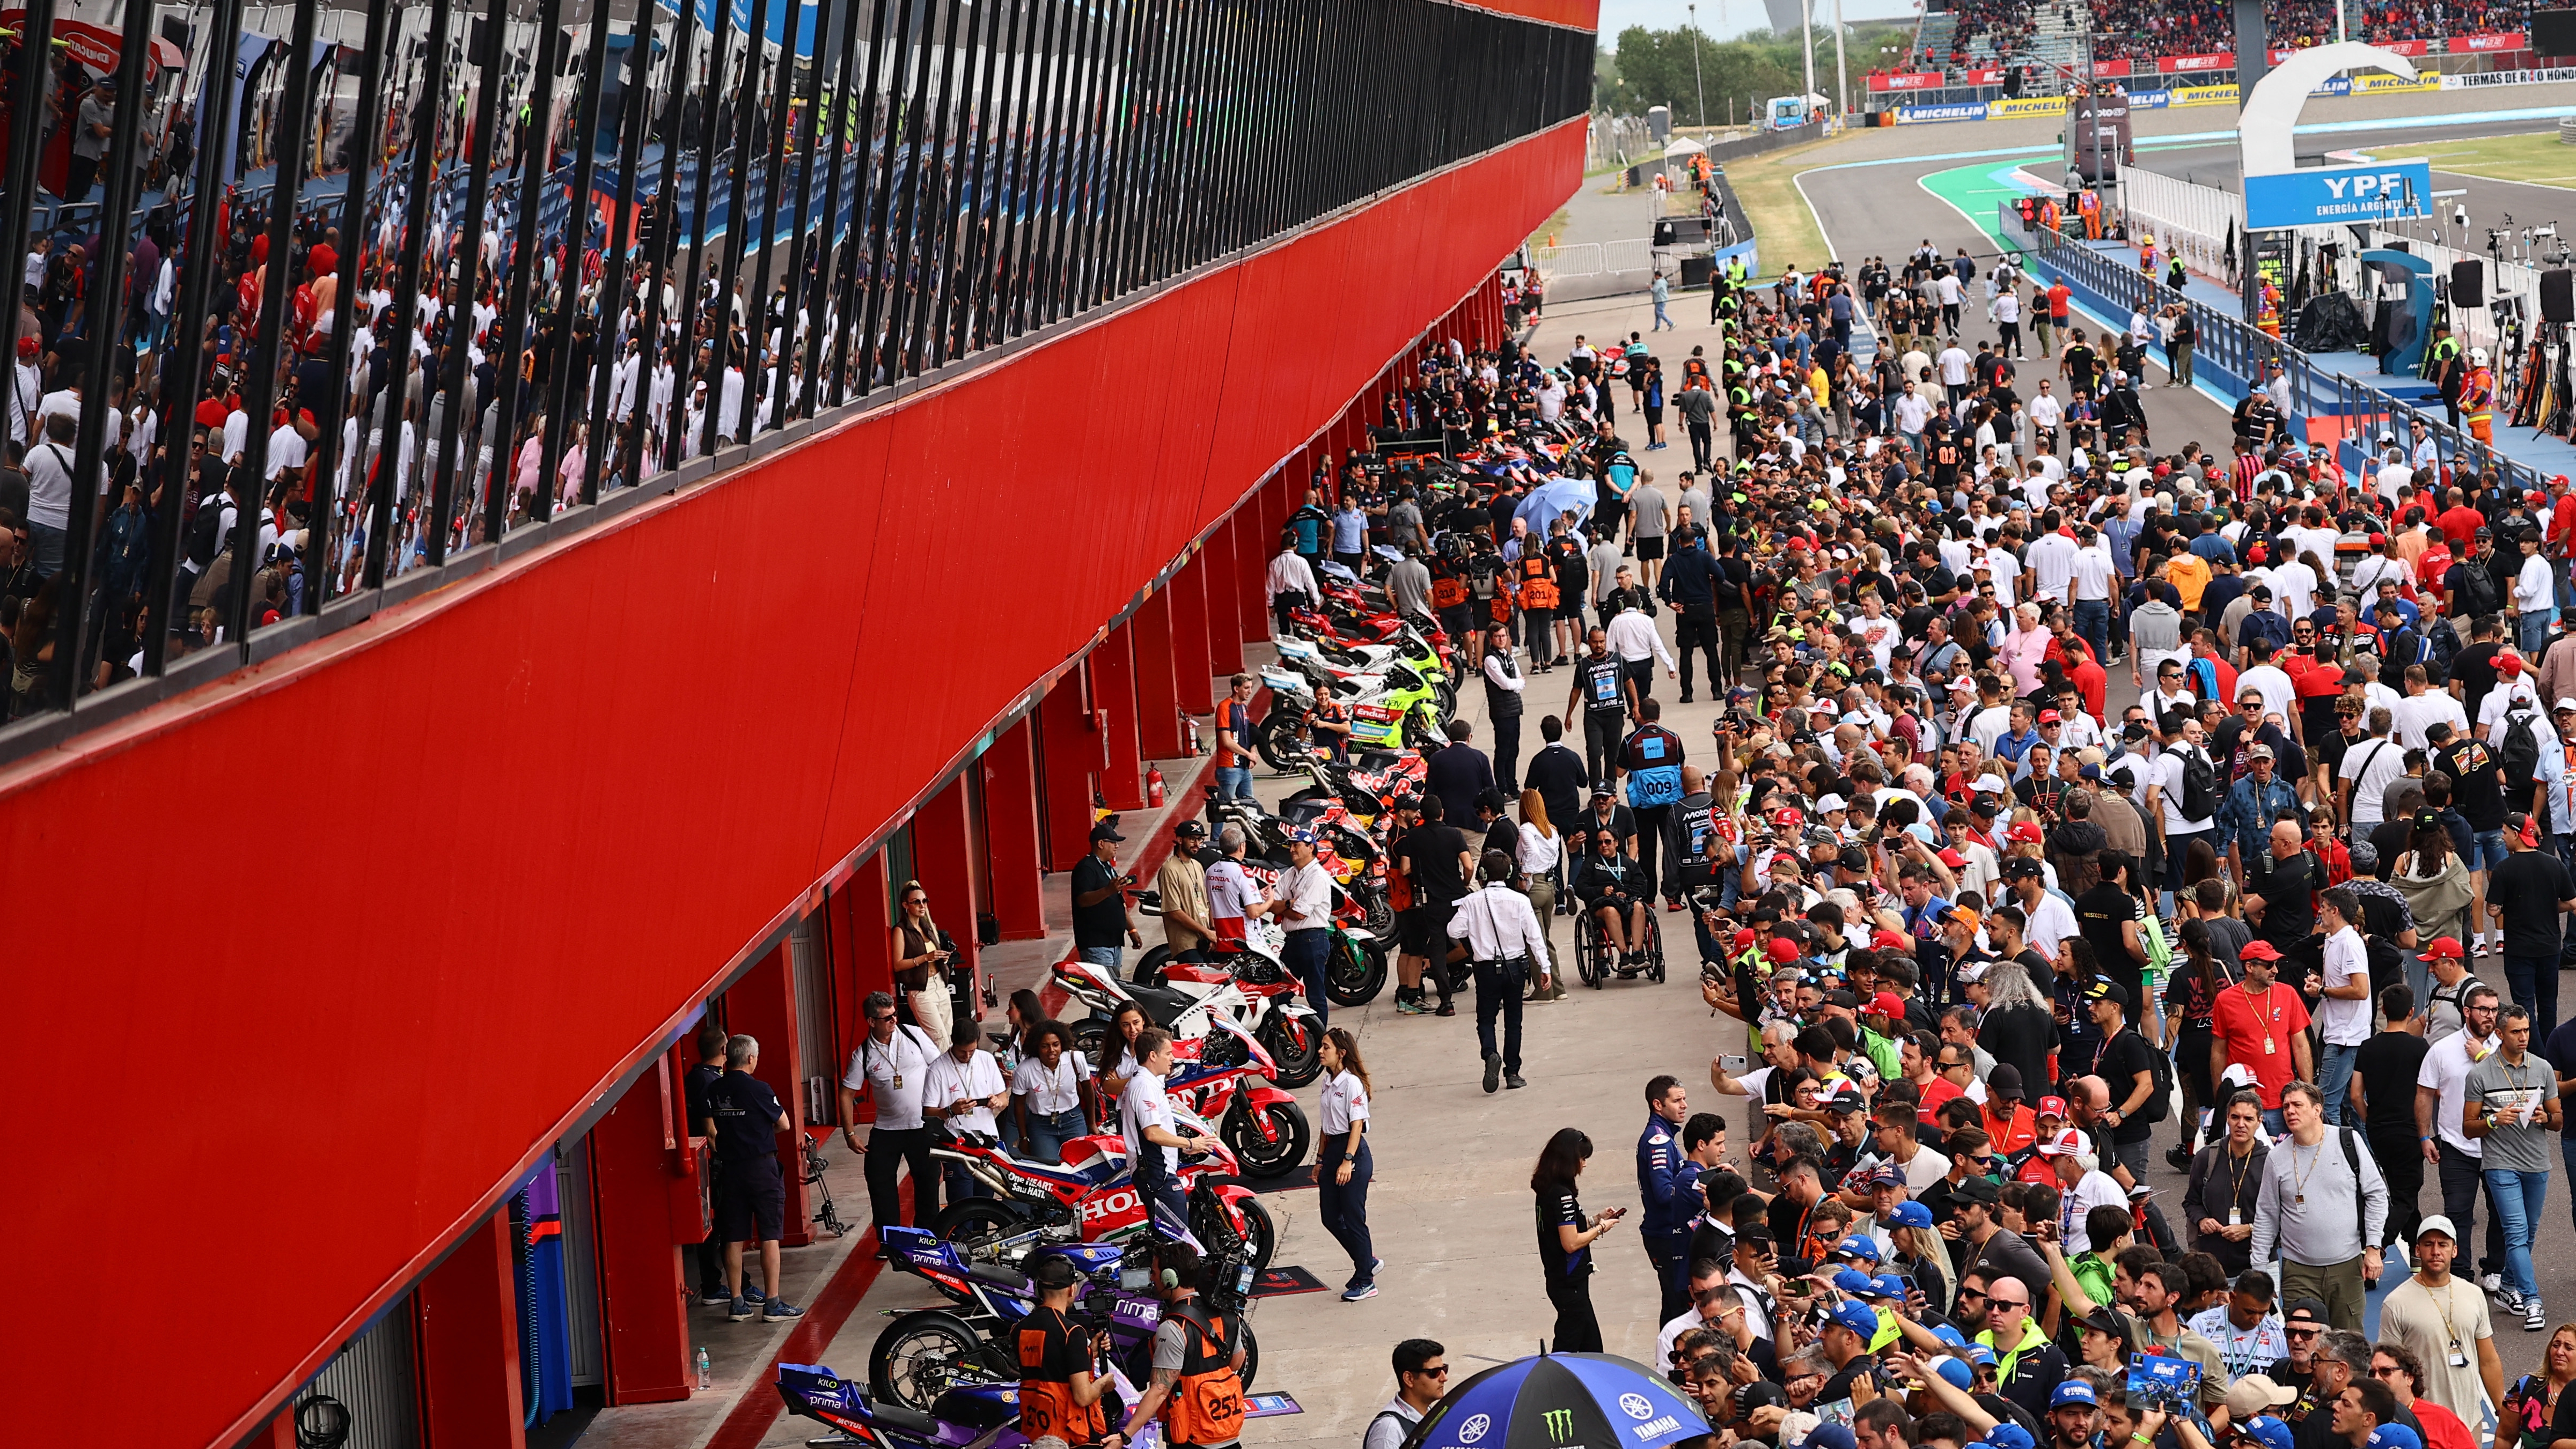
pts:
pixel 1434 1371
pixel 2305 1332
pixel 881 1020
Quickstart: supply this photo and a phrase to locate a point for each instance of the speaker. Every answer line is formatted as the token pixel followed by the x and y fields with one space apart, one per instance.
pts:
pixel 2558 295
pixel 2468 283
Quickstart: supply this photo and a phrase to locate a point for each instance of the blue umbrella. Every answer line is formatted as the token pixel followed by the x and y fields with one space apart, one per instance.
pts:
pixel 1555 496
pixel 1561 1401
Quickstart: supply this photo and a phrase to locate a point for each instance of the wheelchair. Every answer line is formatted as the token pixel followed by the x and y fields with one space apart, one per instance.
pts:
pixel 1596 960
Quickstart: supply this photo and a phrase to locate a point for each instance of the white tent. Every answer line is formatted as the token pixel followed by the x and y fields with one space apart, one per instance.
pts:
pixel 1681 146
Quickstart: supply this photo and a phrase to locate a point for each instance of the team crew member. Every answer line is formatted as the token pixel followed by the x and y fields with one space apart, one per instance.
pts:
pixel 743 1120
pixel 1306 909
pixel 1565 1239
pixel 1342 1166
pixel 1051 1093
pixel 1059 1394
pixel 1147 1118
pixel 1666 1178
pixel 892 1067
pixel 1197 1387
pixel 693 1090
pixel 1505 943
pixel 966 1090
pixel 1421 1378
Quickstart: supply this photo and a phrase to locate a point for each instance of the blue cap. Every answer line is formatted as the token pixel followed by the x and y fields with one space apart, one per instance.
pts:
pixel 1831 1436
pixel 2074 1391
pixel 2395 1436
pixel 1855 1282
pixel 1865 1323
pixel 1954 1373
pixel 1891 1285
pixel 2271 1433
pixel 1859 1245
pixel 2011 1436
pixel 1910 1214
pixel 1951 1336
pixel 1979 1353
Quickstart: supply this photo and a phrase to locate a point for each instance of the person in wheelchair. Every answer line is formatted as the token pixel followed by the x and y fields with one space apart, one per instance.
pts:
pixel 1615 891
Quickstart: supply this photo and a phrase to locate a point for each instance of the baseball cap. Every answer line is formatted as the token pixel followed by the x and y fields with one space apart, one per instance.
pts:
pixel 1831 802
pixel 1980 1190
pixel 2312 1310
pixel 2437 1223
pixel 2398 1436
pixel 1193 828
pixel 2509 665
pixel 1888 1285
pixel 2050 1107
pixel 2022 867
pixel 1106 830
pixel 2237 1075
pixel 1743 937
pixel 2004 1082
pixel 1831 1436
pixel 1910 1214
pixel 2565 703
pixel 2252 1394
pixel 2258 951
pixel 1782 950
pixel 2102 988
pixel 1858 1245
pixel 1886 1003
pixel 2267 1431
pixel 1887 940
pixel 2066 1143
pixel 1855 1282
pixel 1952 859
pixel 1857 1319
pixel 2026 831
pixel 2050 716
pixel 1970 975
pixel 2003 1436
pixel 2442 948
pixel 1953 1372
pixel 2072 1391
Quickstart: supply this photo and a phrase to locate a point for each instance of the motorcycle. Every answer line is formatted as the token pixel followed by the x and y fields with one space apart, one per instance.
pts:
pixel 970 1416
pixel 926 1353
pixel 1091 1198
pixel 1193 1014
pixel 1262 1125
pixel 1381 704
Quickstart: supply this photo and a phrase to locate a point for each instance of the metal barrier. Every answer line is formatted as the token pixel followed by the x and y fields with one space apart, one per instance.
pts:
pixel 1582 259
pixel 2230 346
pixel 1628 256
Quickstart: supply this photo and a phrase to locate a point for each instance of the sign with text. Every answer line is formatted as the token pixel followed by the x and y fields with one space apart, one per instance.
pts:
pixel 2338 195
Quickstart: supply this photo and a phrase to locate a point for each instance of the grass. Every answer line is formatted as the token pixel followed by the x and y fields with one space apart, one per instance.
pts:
pixel 1555 226
pixel 2537 157
pixel 1766 186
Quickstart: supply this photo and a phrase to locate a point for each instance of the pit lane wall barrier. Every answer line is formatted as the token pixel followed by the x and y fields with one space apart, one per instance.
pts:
pixel 555 803
pixel 2232 355
pixel 2179 97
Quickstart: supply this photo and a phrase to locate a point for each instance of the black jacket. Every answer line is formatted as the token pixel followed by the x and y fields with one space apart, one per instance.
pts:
pixel 1689 579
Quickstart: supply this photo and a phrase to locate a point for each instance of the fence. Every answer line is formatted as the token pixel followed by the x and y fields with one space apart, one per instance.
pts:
pixel 1581 259
pixel 2240 354
pixel 2194 220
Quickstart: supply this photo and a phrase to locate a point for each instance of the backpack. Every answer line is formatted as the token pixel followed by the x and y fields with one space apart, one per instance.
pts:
pixel 2520 756
pixel 2199 786
pixel 2159 1103
pixel 2473 589
pixel 2445 645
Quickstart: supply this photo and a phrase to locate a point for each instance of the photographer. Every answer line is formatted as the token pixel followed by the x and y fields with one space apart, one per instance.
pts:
pixel 1059 1394
pixel 1197 1388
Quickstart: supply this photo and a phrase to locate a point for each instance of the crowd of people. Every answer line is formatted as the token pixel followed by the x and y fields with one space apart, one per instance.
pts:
pixel 1998 32
pixel 2072 801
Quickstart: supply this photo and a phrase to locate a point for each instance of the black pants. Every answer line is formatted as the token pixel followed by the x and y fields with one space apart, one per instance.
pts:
pixel 1577 1331
pixel 1601 744
pixel 2401 1161
pixel 1703 446
pixel 1670 1255
pixel 1507 752
pixel 1650 840
pixel 2008 337
pixel 1694 631
pixel 1155 1185
pixel 77 177
pixel 1642 673
pixel 2462 1185
pixel 1498 990
pixel 888 1149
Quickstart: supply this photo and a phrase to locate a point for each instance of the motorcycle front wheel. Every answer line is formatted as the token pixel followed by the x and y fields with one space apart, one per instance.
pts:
pixel 1261 1158
pixel 1090 1036
pixel 1280 740
pixel 1356 973
pixel 924 1354
pixel 1296 1047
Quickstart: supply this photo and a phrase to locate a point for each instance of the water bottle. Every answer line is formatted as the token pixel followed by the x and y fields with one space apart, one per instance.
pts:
pixel 706 1374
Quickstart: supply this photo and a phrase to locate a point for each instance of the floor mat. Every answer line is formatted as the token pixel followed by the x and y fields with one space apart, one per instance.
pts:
pixel 1280 1282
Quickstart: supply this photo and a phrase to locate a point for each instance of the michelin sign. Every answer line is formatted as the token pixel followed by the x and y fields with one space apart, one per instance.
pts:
pixel 2279 192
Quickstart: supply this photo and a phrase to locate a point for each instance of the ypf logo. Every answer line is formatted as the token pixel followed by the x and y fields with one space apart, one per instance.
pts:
pixel 1560 1424
pixel 1636 1407
pixel 1474 1429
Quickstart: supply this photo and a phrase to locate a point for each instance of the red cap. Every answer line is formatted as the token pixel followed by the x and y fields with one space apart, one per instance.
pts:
pixel 2507 665
pixel 2535 498
pixel 2377 539
pixel 2254 554
pixel 1787 819
pixel 1743 937
pixel 2442 948
pixel 1886 940
pixel 2050 716
pixel 2257 951
pixel 28 347
pixel 1953 859
pixel 1782 950
pixel 2026 831
pixel 1797 545
pixel 324 258
pixel 1887 1004
pixel 2052 1106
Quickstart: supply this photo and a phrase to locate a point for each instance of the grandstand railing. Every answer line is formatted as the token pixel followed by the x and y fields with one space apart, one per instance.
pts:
pixel 2243 353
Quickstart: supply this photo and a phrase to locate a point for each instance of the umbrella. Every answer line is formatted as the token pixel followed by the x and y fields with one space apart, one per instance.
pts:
pixel 1555 496
pixel 1561 1401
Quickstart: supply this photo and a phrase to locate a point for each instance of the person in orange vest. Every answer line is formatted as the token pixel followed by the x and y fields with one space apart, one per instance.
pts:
pixel 1197 1388
pixel 2477 397
pixel 2088 205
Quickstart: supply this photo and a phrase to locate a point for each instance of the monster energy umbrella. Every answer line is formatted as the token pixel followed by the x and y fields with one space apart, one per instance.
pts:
pixel 1561 1401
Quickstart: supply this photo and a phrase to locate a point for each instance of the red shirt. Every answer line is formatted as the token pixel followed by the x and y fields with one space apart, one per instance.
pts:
pixel 2057 300
pixel 2011 1134
pixel 2442 1428
pixel 2248 1023
pixel 2460 525
pixel 2090 681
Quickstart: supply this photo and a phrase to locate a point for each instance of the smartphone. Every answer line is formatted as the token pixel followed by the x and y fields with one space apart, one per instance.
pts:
pixel 1796 1288
pixel 1735 1064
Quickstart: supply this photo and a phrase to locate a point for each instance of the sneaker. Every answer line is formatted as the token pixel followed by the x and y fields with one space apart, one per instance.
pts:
pixel 2491 1282
pixel 716 1297
pixel 1410 1007
pixel 2179 1155
pixel 1514 1083
pixel 1374 1265
pixel 778 1308
pixel 1493 1070
pixel 2509 1301
pixel 1364 1290
pixel 1446 1009
pixel 753 1296
pixel 2533 1319
pixel 740 1312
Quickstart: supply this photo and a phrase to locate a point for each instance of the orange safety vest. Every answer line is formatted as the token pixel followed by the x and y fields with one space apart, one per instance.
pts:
pixel 1206 1406
pixel 1047 1406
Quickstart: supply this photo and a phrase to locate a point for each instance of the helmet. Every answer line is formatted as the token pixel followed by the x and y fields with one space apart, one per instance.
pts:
pixel 2477 357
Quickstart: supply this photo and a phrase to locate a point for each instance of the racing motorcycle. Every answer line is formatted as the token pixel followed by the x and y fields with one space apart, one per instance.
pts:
pixel 1270 1019
pixel 1090 1198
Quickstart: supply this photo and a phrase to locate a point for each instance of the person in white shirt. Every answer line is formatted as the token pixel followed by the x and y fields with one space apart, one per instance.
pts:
pixel 1288 574
pixel 964 1089
pixel 1634 640
pixel 1051 1094
pixel 1998 562
pixel 1145 1116
pixel 2420 710
pixel 1342 1165
pixel 2164 786
pixel 892 1066
pixel 1953 363
pixel 1507 945
pixel 2280 696
pixel 2368 766
pixel 2343 1011
pixel 2052 562
pixel 1306 910
pixel 2535 598
pixel 2081 1178
pixel 2393 473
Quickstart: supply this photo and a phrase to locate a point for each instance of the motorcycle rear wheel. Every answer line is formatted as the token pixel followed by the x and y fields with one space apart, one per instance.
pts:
pixel 975 1224
pixel 1090 1035
pixel 924 1354
pixel 1276 739
pixel 1149 967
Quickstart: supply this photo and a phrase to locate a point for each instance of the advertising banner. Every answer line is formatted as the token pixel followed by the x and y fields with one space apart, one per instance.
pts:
pixel 2477 44
pixel 1992 75
pixel 1924 115
pixel 2030 106
pixel 2379 84
pixel 1928 80
pixel 2174 64
pixel 2339 195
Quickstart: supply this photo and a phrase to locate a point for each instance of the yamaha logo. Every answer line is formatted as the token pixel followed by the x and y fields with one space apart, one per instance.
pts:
pixel 1636 1407
pixel 1474 1429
